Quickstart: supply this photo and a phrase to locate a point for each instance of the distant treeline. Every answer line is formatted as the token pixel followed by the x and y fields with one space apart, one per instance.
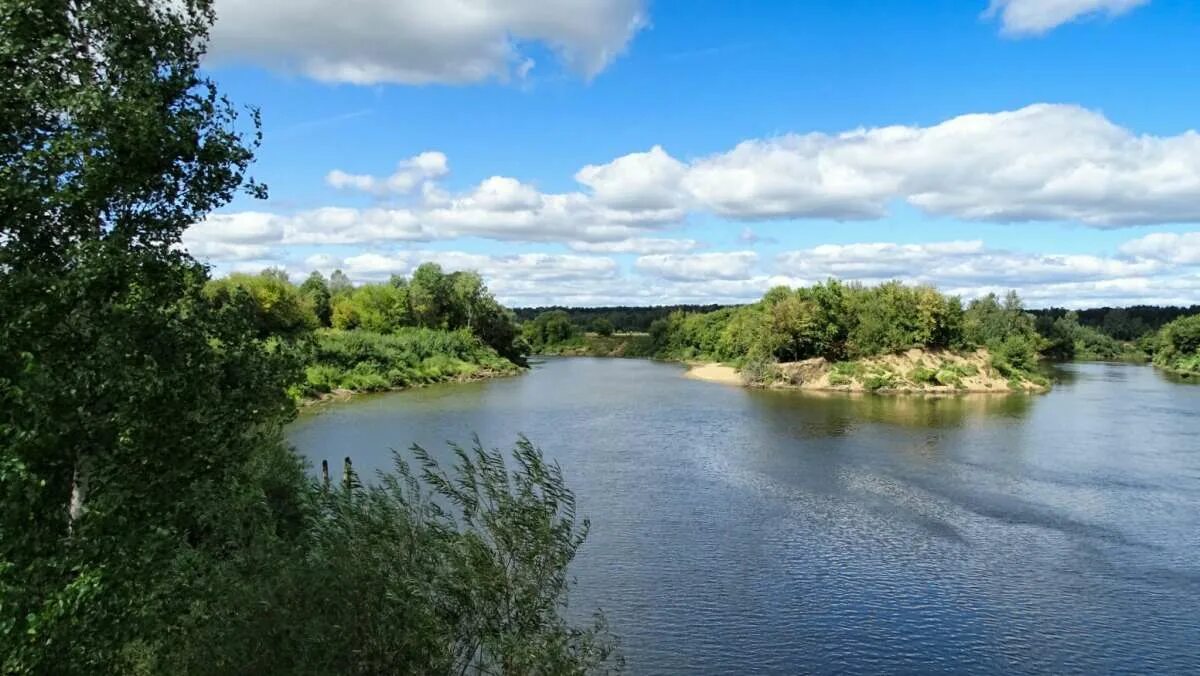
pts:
pixel 623 318
pixel 842 321
pixel 1124 323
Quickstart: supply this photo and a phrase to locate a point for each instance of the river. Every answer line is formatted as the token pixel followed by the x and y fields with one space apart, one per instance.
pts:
pixel 742 531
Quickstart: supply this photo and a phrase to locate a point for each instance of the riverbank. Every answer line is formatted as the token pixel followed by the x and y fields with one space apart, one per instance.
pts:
pixel 714 373
pixel 344 394
pixel 913 371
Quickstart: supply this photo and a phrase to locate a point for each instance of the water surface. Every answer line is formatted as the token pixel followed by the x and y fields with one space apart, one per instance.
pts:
pixel 740 531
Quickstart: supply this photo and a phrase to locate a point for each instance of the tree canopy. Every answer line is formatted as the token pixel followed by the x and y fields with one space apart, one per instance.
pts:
pixel 152 519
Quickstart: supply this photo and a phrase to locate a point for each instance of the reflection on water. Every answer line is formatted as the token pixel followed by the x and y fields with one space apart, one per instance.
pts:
pixel 835 412
pixel 739 531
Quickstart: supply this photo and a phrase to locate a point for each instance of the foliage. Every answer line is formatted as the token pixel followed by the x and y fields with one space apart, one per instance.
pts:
pixel 1064 338
pixel 594 345
pixel 832 320
pixel 625 319
pixel 278 307
pixel 432 299
pixel 548 330
pixel 1007 331
pixel 457 316
pixel 1128 324
pixel 366 361
pixel 422 571
pixel 1178 346
pixel 603 327
pixel 129 403
pixel 317 296
pixel 150 512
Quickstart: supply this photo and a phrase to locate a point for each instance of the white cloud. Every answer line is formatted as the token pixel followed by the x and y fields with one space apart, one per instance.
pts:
pixel 1040 163
pixel 247 227
pixel 327 225
pixel 499 270
pixel 1169 247
pixel 223 252
pixel 638 181
pixel 724 265
pixel 954 264
pixel 408 175
pixel 418 41
pixel 965 268
pixel 1035 17
pixel 637 245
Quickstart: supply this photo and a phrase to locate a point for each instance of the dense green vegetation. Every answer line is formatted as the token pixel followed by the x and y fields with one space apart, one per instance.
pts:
pixel 152 520
pixel 624 319
pixel 365 361
pixel 846 322
pixel 721 333
pixel 1127 324
pixel 1177 346
pixel 838 322
pixel 1065 339
pixel 437 326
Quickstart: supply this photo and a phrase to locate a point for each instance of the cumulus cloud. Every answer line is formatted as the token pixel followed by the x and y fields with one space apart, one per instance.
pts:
pixel 954 264
pixel 1169 247
pixel 408 175
pixel 328 226
pixel 419 42
pixel 965 268
pixel 723 265
pixel 638 181
pixel 499 270
pixel 1040 163
pixel 1035 17
pixel 637 245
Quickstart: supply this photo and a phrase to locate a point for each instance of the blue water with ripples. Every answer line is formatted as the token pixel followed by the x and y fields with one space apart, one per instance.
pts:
pixel 740 531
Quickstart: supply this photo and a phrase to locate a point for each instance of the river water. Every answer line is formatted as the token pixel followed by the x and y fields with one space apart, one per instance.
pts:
pixel 742 531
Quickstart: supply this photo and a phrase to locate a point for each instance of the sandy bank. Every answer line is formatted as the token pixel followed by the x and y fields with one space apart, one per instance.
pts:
pixel 715 373
pixel 914 371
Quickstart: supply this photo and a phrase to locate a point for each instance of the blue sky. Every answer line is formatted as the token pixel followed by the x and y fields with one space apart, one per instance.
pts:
pixel 624 151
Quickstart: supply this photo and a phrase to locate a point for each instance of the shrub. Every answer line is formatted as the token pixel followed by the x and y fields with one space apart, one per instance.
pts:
pixel 948 377
pixel 922 376
pixel 879 380
pixel 1178 346
pixel 365 361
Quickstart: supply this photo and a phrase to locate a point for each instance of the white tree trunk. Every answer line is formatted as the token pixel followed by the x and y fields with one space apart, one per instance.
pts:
pixel 79 487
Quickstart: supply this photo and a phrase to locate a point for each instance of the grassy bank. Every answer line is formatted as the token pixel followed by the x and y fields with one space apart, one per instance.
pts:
pixel 365 361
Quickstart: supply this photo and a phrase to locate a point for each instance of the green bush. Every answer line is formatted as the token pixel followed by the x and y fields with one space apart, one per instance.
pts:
pixel 879 380
pixel 948 377
pixel 1177 347
pixel 923 376
pixel 365 361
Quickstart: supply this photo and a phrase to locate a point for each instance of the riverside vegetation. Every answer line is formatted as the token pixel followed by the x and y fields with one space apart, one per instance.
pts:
pixel 434 327
pixel 152 519
pixel 889 337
